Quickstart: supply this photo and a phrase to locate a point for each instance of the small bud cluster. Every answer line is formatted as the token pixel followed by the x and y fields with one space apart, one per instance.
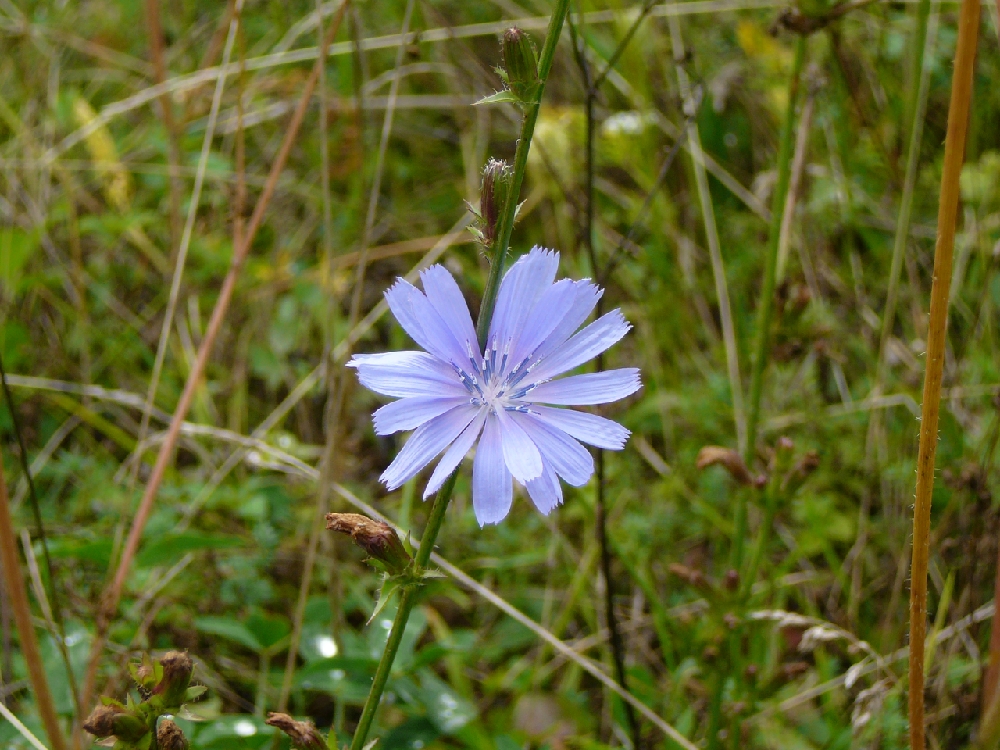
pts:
pixel 166 684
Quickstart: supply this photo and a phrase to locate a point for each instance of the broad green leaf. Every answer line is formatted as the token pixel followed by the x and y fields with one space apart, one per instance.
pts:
pixel 228 627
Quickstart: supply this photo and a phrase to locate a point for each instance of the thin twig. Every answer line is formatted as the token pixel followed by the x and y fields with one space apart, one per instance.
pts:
pixel 185 241
pixel 58 627
pixel 691 104
pixel 954 154
pixel 600 486
pixel 18 597
pixel 333 399
pixel 156 53
pixel 112 595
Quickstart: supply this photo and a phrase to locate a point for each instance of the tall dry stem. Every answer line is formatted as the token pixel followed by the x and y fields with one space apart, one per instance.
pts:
pixel 18 597
pixel 954 155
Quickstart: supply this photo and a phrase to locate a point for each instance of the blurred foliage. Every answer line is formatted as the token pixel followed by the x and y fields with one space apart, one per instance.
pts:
pixel 88 245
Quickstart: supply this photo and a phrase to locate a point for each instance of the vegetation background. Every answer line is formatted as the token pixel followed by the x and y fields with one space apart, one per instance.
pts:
pixel 123 192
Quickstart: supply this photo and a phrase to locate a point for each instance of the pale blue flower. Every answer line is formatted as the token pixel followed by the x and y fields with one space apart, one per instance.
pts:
pixel 452 395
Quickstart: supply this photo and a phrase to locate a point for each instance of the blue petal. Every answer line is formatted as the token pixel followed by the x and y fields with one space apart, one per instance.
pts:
pixel 410 413
pixel 492 484
pixel 588 428
pixel 584 346
pixel 585 297
pixel 455 453
pixel 586 389
pixel 548 313
pixel 519 452
pixel 419 319
pixel 429 440
pixel 404 374
pixel 446 298
pixel 545 492
pixel 570 460
pixel 520 290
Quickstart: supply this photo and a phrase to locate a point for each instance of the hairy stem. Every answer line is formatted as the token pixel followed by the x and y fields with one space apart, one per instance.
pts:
pixel 406 602
pixel 506 221
pixel 954 155
pixel 443 497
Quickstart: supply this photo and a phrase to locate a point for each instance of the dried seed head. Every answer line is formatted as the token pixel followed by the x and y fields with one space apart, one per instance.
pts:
pixel 107 721
pixel 170 737
pixel 728 459
pixel 379 540
pixel 303 734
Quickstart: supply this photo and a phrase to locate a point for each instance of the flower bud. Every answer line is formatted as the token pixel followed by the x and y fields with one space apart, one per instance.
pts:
pixel 520 62
pixel 177 667
pixel 170 737
pixel 496 187
pixel 107 721
pixel 303 734
pixel 379 540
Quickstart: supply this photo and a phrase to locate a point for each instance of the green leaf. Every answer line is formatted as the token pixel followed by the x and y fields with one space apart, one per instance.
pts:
pixel 389 587
pixel 500 97
pixel 446 709
pixel 171 547
pixel 16 248
pixel 268 630
pixel 228 627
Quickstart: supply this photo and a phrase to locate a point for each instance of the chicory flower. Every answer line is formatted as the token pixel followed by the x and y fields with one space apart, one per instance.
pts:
pixel 452 394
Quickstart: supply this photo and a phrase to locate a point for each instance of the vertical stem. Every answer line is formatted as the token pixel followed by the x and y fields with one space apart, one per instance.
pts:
pixel 765 307
pixel 18 597
pixel 506 221
pixel 954 154
pixel 711 233
pixel 156 54
pixel 333 399
pixel 406 602
pixel 443 497
pixel 600 503
pixel 915 119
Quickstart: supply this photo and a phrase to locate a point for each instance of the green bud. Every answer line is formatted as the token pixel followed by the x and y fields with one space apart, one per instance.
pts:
pixel 177 667
pixel 170 737
pixel 108 721
pixel 378 539
pixel 497 177
pixel 520 63
pixel 303 734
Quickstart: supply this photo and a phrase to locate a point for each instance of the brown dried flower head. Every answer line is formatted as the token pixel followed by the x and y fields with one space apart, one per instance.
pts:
pixel 303 734
pixel 379 540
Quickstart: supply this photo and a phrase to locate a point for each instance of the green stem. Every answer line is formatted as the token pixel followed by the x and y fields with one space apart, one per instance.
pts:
pixel 765 308
pixel 406 602
pixel 443 498
pixel 506 222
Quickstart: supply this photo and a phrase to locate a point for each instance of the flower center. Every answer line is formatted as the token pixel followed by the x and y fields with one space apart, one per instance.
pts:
pixel 491 382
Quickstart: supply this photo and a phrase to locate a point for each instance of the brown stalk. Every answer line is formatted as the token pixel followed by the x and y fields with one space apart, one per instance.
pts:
pixel 156 53
pixel 112 596
pixel 954 154
pixel 18 597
